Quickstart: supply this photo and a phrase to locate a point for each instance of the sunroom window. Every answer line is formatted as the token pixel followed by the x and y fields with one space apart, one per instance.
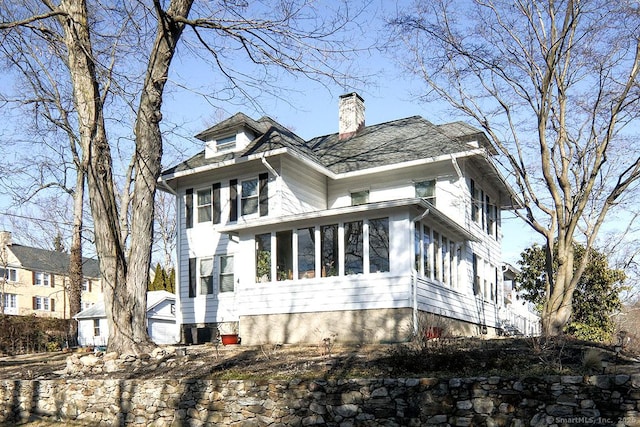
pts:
pixel 263 257
pixel 378 245
pixel 306 253
pixel 353 248
pixel 329 247
pixel 284 258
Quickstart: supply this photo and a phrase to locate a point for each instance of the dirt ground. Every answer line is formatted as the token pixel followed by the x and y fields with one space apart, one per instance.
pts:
pixel 469 357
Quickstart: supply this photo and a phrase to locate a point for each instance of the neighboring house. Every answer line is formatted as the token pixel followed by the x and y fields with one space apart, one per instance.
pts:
pixel 519 316
pixel 36 281
pixel 350 235
pixel 161 321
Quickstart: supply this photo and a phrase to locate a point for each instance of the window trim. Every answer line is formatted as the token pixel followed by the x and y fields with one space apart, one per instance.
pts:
pixel 8 272
pixel 222 273
pixel 355 195
pixel 227 143
pixel 210 286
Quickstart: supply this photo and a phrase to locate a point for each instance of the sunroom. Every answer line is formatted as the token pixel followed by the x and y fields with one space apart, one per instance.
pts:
pixel 323 270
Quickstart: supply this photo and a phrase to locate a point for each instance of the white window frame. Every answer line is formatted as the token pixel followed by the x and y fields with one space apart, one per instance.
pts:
pixel 10 301
pixel 227 143
pixel 198 206
pixel 201 276
pixel 427 183
pixel 255 196
pixel 42 303
pixel 11 274
pixel 363 194
pixel 222 273
pixel 42 279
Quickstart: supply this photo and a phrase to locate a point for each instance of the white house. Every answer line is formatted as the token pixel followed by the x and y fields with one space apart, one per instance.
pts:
pixel 161 321
pixel 350 235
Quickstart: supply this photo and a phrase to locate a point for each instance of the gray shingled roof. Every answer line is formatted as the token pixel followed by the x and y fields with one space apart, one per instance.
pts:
pixel 36 259
pixel 387 143
pixel 383 144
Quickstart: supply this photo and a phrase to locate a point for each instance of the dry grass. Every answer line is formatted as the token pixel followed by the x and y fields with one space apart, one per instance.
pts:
pixel 437 358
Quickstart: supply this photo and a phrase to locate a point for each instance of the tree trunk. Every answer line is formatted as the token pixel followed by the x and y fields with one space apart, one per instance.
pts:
pixel 148 160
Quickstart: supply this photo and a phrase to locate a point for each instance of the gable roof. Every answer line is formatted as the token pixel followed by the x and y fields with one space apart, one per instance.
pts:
pixel 98 311
pixel 36 259
pixel 393 142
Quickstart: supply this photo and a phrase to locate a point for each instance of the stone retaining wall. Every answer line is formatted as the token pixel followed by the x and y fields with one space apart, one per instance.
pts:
pixel 493 401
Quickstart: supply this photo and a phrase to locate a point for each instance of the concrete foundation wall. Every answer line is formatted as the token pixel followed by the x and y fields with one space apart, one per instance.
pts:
pixel 360 326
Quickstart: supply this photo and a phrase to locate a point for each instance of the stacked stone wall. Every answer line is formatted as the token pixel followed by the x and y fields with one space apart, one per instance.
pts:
pixel 493 401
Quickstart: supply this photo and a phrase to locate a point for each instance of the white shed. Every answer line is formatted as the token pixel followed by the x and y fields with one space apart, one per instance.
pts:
pixel 161 321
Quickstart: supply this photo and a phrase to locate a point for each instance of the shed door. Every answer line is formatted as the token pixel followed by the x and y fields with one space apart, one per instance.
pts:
pixel 162 331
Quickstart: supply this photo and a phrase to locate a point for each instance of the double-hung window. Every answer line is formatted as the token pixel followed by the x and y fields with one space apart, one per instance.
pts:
pixel 206 276
pixel 204 205
pixel 41 279
pixel 10 301
pixel 226 273
pixel 249 197
pixel 9 274
pixel 43 304
pixel 254 197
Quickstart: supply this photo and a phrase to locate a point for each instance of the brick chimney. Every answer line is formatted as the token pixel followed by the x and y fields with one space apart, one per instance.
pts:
pixel 350 115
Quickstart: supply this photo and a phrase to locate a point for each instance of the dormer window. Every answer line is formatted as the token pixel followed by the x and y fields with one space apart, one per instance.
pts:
pixel 227 143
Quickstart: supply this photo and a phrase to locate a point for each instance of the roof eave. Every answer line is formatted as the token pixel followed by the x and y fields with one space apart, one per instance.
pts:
pixel 418 203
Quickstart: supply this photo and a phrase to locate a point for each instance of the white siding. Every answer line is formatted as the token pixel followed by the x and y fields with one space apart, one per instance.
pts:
pixel 86 331
pixel 437 299
pixel 163 331
pixel 303 189
pixel 369 291
pixel 391 185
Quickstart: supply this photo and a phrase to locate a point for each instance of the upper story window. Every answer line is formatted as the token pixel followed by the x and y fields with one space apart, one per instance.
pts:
pixel 204 205
pixel 426 190
pixel 9 274
pixel 42 279
pixel 227 143
pixel 86 285
pixel 207 207
pixel 253 198
pixel 249 197
pixel 359 197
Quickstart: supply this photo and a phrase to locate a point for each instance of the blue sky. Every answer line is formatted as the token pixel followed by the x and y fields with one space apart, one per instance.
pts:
pixel 307 107
pixel 312 110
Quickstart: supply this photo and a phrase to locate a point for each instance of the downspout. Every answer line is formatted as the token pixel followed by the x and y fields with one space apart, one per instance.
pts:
pixel 278 179
pixel 414 276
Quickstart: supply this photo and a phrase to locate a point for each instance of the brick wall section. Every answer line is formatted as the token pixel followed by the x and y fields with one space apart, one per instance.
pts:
pixel 593 400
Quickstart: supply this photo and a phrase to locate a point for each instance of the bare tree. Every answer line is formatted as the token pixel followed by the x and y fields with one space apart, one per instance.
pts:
pixel 51 164
pixel 554 85
pixel 129 52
